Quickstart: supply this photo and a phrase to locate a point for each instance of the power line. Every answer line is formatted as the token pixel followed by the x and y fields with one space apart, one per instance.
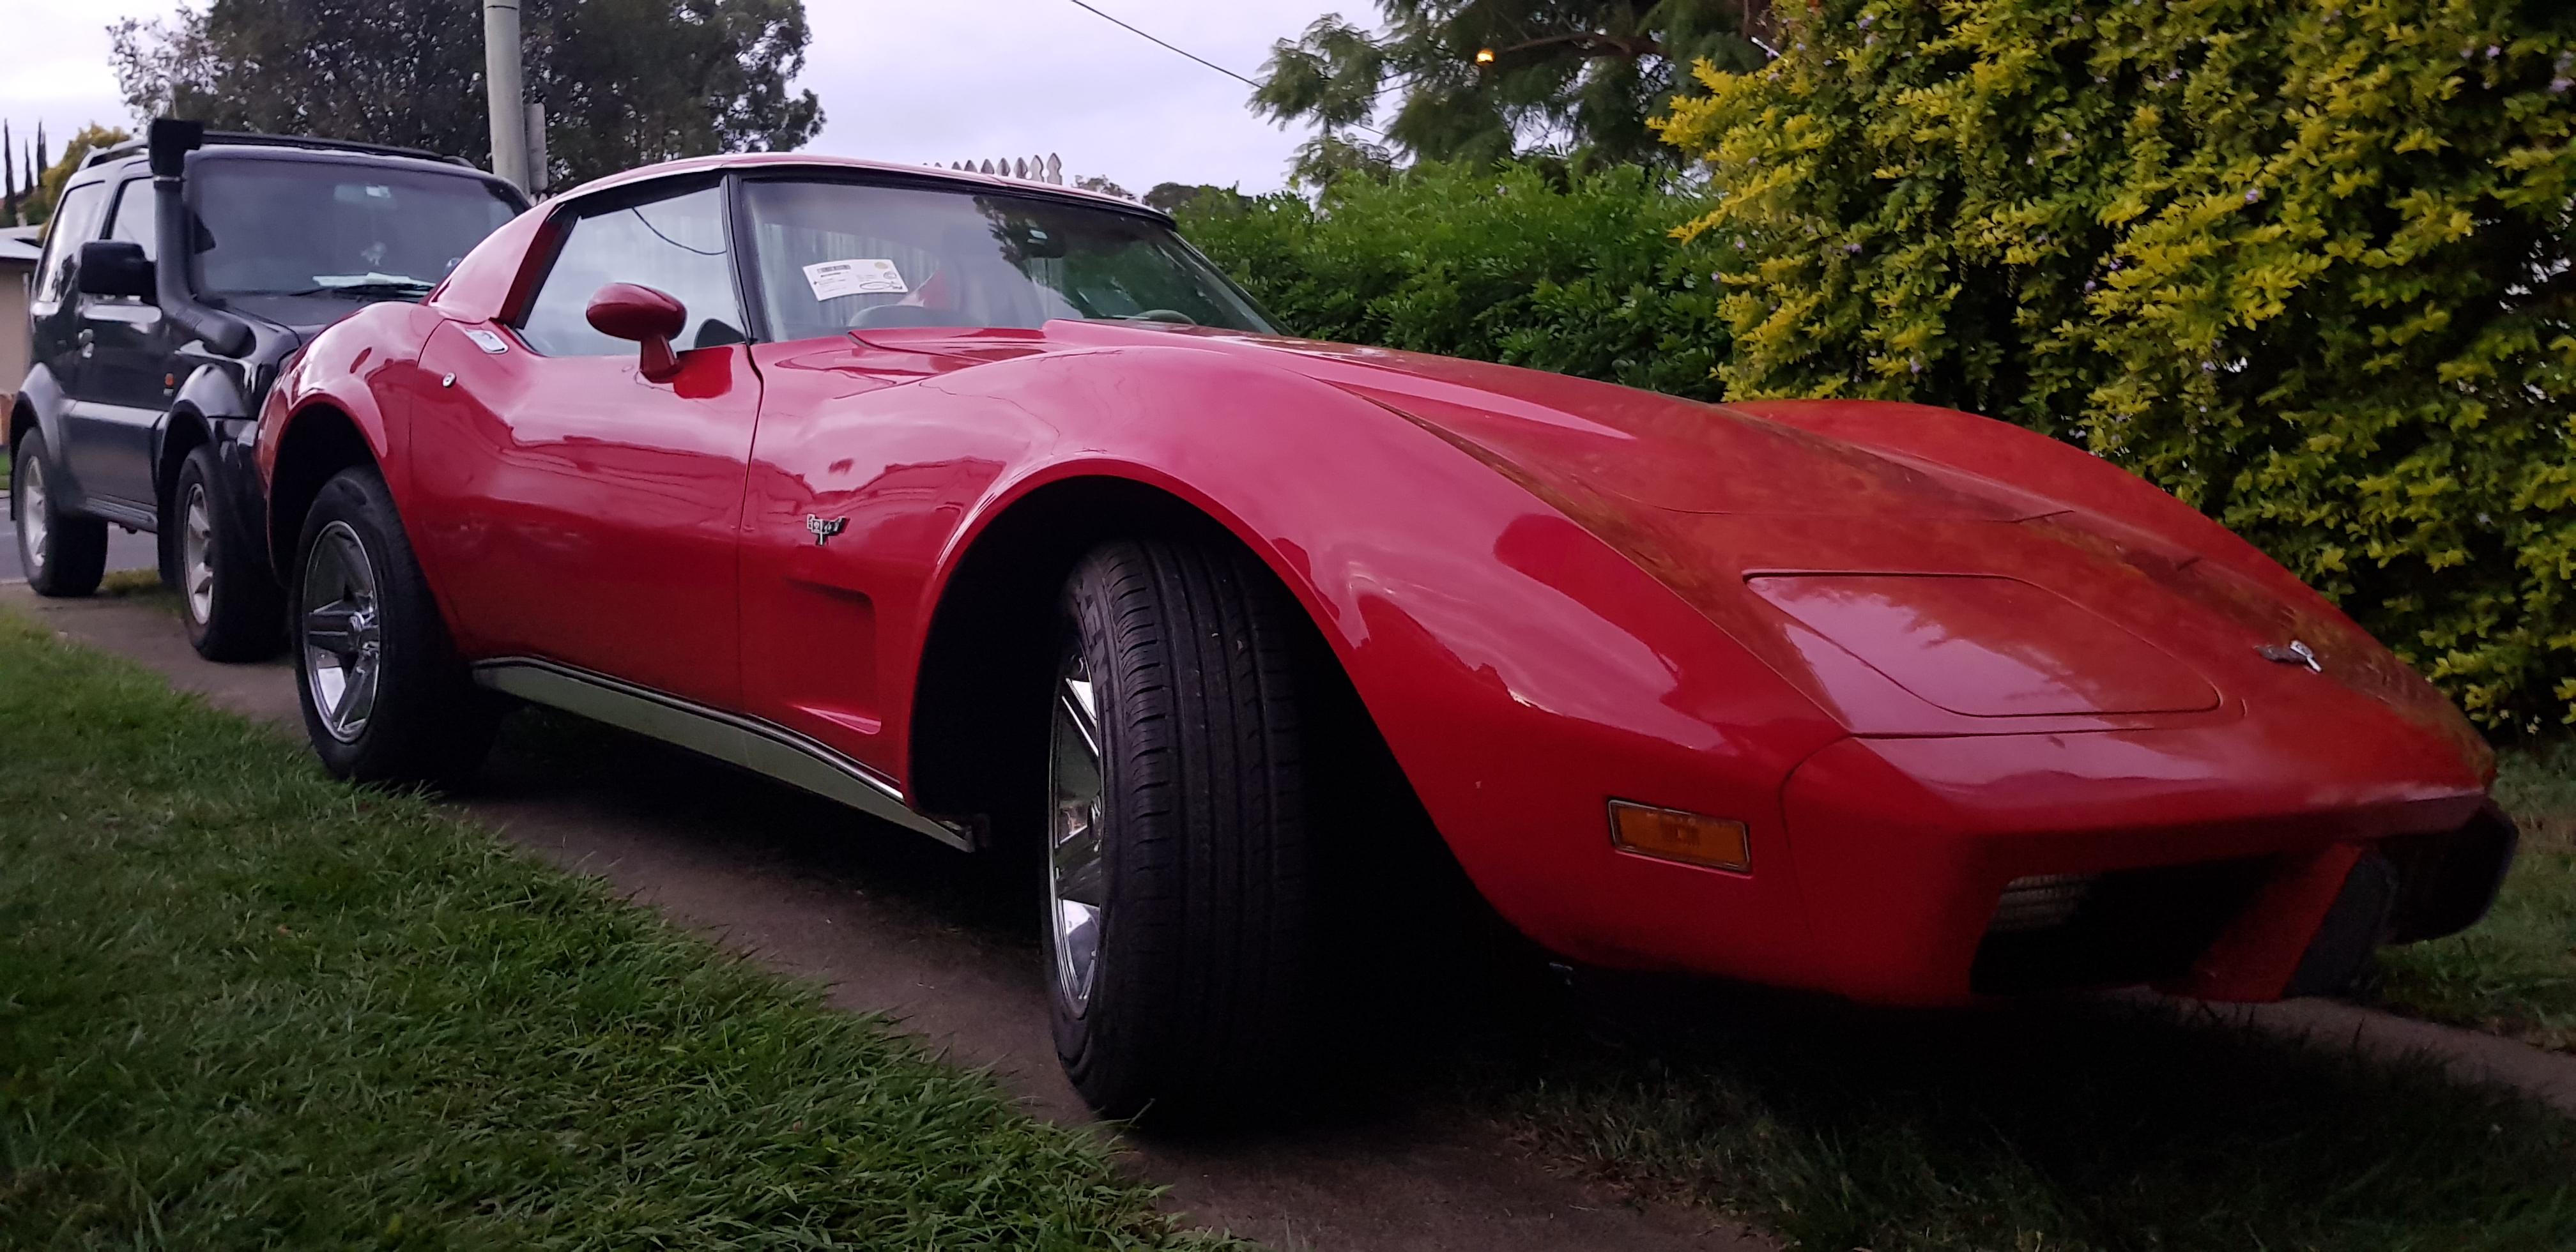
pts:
pixel 1167 45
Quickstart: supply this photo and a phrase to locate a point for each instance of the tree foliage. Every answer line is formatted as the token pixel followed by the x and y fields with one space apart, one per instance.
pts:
pixel 38 205
pixel 1570 77
pixel 625 82
pixel 2308 265
pixel 1529 266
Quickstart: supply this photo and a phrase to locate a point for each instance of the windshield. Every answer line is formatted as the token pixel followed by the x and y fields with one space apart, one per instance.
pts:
pixel 276 228
pixel 835 257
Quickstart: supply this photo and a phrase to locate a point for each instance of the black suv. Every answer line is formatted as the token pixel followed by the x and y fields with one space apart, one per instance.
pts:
pixel 142 407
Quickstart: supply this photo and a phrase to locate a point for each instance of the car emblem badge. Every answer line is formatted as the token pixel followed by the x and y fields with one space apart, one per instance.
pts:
pixel 2295 653
pixel 824 528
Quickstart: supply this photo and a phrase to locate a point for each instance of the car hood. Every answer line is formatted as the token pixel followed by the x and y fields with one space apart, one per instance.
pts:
pixel 1905 596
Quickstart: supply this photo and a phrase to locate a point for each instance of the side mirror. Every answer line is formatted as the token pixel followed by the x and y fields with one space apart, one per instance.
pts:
pixel 649 317
pixel 115 267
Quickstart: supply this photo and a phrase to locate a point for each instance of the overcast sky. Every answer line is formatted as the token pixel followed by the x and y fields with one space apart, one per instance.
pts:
pixel 900 80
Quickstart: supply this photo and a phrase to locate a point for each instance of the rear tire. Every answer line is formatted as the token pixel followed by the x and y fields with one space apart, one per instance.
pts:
pixel 1179 935
pixel 63 554
pixel 385 698
pixel 232 604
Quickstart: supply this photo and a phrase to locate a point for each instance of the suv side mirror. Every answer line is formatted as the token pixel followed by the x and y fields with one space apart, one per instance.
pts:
pixel 115 267
pixel 649 317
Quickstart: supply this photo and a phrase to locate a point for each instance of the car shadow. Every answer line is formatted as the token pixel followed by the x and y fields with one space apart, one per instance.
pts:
pixel 2084 1121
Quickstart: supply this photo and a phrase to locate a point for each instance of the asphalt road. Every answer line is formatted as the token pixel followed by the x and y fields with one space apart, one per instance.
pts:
pixel 125 549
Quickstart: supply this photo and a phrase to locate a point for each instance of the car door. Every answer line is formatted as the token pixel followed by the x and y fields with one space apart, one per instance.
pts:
pixel 124 390
pixel 569 508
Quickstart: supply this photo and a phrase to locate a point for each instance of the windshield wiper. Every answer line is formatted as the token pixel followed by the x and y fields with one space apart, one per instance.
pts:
pixel 405 288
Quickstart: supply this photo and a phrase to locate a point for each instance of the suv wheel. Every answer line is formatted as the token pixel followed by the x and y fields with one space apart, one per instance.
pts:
pixel 1178 931
pixel 62 554
pixel 385 697
pixel 233 606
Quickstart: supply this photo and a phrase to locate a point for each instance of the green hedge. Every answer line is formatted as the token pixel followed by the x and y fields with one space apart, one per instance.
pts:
pixel 1579 274
pixel 2304 262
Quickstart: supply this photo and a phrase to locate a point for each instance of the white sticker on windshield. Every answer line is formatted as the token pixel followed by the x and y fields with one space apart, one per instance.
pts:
pixel 873 276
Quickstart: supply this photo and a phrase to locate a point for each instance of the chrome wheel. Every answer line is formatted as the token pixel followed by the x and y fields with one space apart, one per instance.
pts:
pixel 196 541
pixel 1077 877
pixel 31 516
pixel 339 631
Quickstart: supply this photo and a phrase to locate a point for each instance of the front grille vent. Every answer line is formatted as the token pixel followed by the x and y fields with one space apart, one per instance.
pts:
pixel 2040 901
pixel 2062 931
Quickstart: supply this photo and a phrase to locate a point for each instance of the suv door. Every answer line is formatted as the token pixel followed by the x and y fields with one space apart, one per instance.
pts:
pixel 122 393
pixel 572 509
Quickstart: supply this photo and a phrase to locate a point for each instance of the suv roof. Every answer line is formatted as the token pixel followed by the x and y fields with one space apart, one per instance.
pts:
pixel 245 139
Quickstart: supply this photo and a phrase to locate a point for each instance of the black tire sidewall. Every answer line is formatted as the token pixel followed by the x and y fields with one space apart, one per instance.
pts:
pixel 427 727
pixel 1084 1038
pixel 76 547
pixel 246 621
pixel 1196 999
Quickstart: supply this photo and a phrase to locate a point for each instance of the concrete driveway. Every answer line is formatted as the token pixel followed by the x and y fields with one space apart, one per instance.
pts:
pixel 891 923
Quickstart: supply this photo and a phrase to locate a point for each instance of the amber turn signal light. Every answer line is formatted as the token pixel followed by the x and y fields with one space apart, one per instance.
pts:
pixel 1678 836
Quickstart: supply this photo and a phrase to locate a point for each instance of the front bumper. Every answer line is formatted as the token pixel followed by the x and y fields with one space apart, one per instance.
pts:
pixel 2207 864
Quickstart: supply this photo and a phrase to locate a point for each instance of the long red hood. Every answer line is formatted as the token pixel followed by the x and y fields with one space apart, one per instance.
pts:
pixel 1987 604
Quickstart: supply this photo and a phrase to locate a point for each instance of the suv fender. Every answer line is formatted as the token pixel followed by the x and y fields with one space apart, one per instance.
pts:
pixel 41 399
pixel 210 409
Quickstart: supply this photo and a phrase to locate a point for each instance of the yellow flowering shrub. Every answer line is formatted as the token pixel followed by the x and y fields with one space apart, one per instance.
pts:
pixel 2305 263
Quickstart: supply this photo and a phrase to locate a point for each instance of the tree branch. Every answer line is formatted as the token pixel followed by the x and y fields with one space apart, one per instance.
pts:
pixel 1593 43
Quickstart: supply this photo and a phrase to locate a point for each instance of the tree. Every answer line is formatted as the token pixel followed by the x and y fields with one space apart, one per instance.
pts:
pixel 46 186
pixel 2311 267
pixel 1174 197
pixel 1101 184
pixel 1485 80
pixel 625 82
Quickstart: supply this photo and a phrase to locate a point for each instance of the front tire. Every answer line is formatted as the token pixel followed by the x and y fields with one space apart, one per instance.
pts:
pixel 1178 929
pixel 233 607
pixel 385 698
pixel 63 554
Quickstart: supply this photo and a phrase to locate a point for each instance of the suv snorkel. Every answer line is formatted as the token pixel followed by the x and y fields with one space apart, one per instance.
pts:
pixel 170 142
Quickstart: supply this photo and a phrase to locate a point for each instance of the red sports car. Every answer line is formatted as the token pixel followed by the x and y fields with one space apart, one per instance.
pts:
pixel 994 510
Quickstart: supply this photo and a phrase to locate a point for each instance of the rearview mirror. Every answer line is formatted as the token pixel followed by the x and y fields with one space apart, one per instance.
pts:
pixel 115 267
pixel 649 317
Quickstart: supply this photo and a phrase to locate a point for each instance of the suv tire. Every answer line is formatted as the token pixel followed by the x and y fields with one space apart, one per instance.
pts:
pixel 63 554
pixel 385 698
pixel 1178 929
pixel 233 607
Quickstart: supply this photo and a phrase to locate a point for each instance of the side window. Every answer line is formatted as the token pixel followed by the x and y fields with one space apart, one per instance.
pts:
pixel 132 220
pixel 678 246
pixel 75 222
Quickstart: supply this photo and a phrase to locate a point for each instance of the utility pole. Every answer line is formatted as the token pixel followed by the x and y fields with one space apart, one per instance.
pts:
pixel 501 77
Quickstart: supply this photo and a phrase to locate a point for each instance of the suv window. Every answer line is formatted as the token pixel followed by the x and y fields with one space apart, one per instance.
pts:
pixel 679 246
pixel 75 222
pixel 132 220
pixel 280 227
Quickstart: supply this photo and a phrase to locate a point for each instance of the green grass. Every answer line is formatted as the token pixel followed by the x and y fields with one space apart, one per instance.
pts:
pixel 2116 1126
pixel 243 1006
pixel 2515 972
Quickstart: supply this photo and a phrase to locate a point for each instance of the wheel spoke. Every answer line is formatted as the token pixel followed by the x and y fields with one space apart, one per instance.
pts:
pixel 1082 709
pixel 342 637
pixel 1077 865
pixel 330 629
